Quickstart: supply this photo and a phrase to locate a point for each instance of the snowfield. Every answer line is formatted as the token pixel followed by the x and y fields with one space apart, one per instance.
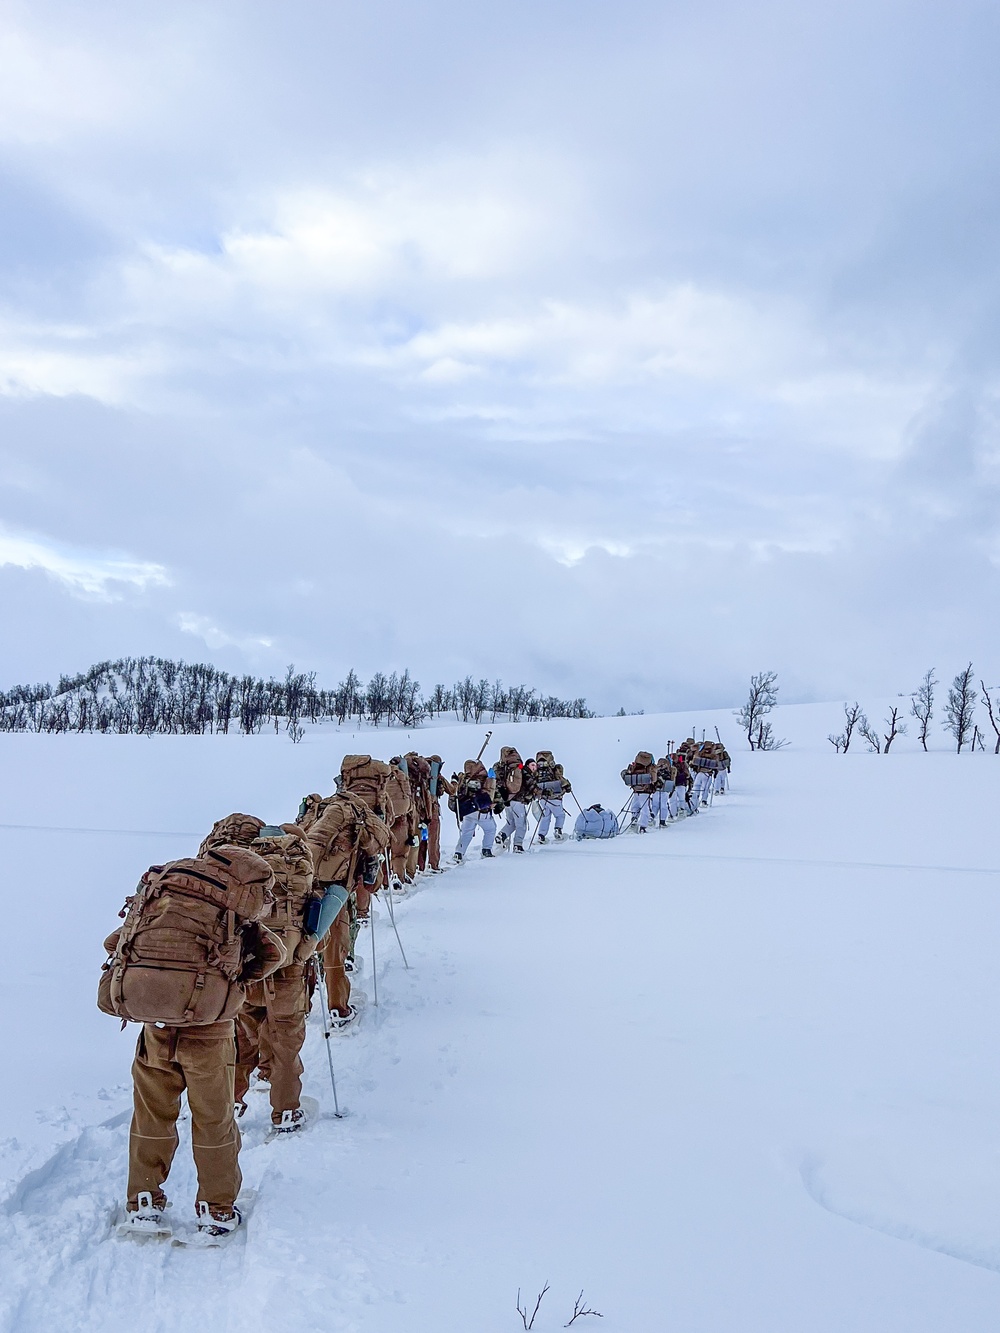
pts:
pixel 738 1075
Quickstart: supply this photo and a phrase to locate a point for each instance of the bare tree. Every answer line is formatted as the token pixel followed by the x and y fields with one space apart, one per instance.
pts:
pixel 852 716
pixel 922 704
pixel 530 1323
pixel 896 727
pixel 869 734
pixel 580 1311
pixel 960 707
pixel 761 700
pixel 994 719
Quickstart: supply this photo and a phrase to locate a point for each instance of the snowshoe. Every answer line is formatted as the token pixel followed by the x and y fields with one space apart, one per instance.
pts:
pixel 559 835
pixel 146 1221
pixel 458 858
pixel 541 838
pixel 354 966
pixel 503 839
pixel 397 885
pixel 239 1110
pixel 487 852
pixel 518 848
pixel 340 1021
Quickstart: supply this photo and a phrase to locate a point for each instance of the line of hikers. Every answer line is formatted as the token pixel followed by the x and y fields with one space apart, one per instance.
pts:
pixel 682 781
pixel 220 955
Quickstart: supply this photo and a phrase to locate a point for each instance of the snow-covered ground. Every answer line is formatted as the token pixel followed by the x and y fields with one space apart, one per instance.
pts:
pixel 737 1075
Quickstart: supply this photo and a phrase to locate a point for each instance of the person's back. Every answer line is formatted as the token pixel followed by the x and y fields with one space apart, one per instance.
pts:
pixel 271 1027
pixel 551 786
pixel 191 941
pixel 509 801
pixel 348 843
pixel 643 781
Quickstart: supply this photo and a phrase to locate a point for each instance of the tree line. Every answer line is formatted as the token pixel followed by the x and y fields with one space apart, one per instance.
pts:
pixel 961 720
pixel 156 696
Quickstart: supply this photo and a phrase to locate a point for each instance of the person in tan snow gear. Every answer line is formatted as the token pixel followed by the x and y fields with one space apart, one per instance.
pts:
pixel 271 1026
pixel 509 800
pixel 231 831
pixel 429 852
pixel 191 941
pixel 401 816
pixel 473 802
pixel 552 787
pixel 367 778
pixel 419 770
pixel 642 779
pixel 348 843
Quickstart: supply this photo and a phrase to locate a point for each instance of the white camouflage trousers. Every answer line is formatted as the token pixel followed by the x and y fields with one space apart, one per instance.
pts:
pixel 550 805
pixel 641 807
pixel 516 822
pixel 700 790
pixel 721 782
pixel 477 819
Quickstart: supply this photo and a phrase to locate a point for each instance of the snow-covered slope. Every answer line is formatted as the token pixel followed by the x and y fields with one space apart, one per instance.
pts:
pixel 737 1075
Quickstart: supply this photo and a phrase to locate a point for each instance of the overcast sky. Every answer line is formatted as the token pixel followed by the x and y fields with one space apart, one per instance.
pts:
pixel 622 348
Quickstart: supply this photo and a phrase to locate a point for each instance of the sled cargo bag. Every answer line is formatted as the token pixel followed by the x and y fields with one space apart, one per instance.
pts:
pixel 596 822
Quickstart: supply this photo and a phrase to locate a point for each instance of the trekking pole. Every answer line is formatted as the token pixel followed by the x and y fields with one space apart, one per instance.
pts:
pixel 578 805
pixel 321 987
pixel 392 918
pixel 371 929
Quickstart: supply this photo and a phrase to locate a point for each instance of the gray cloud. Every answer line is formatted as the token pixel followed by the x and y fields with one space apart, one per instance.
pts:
pixel 625 352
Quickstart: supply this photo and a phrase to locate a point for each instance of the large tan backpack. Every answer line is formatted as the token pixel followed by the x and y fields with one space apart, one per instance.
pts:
pixel 419 770
pixel 289 855
pixel 549 775
pixel 310 809
pixel 509 773
pixel 180 957
pixel 641 773
pixel 234 830
pixel 398 794
pixel 363 776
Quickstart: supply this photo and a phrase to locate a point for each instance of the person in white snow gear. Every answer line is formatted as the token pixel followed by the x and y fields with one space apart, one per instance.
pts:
pixel 663 801
pixel 179 964
pixel 551 787
pixel 510 799
pixel 473 803
pixel 643 781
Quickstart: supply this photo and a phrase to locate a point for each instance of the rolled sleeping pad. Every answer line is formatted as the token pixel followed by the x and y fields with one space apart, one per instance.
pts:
pixel 321 912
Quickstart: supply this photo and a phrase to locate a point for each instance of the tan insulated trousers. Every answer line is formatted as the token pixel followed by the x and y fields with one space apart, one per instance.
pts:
pixel 270 1031
pixel 168 1062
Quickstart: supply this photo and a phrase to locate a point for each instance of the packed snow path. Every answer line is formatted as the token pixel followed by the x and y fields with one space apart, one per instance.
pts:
pixel 735 1075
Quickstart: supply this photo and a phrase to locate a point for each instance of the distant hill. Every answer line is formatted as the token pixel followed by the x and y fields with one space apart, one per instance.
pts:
pixel 154 696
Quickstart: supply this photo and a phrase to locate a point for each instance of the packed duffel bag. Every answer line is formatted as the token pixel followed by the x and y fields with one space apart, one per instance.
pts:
pixel 596 822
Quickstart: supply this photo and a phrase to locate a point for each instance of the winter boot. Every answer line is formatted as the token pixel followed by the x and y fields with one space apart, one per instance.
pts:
pixel 502 840
pixel 239 1110
pixel 217 1221
pixel 559 835
pixel 487 852
pixel 518 848
pixel 291 1121
pixel 349 966
pixel 641 829
pixel 458 858
pixel 541 837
